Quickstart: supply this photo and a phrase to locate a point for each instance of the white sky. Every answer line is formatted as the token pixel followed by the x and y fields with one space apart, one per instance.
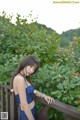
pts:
pixel 60 17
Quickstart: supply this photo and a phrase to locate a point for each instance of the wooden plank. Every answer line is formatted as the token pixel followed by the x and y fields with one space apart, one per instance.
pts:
pixel 2 99
pixel 70 111
pixel 68 117
pixel 13 111
pixel 5 86
pixel 43 115
pixel 12 107
pixel 0 95
pixel 0 102
pixel 65 108
pixel 7 103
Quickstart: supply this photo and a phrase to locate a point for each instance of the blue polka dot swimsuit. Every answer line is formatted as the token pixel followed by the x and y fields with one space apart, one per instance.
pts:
pixel 30 97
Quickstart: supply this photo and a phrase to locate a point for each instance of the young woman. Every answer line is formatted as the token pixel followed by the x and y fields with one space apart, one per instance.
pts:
pixel 24 90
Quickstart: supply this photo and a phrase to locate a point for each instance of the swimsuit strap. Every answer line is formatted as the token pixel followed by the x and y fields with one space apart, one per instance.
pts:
pixel 24 78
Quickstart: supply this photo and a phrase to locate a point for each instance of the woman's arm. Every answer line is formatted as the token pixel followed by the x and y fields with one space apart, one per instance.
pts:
pixel 42 95
pixel 23 100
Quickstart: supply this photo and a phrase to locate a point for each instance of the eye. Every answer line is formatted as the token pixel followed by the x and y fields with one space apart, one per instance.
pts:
pixel 31 66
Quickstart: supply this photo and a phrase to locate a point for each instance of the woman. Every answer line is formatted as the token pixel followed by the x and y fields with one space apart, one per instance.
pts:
pixel 24 90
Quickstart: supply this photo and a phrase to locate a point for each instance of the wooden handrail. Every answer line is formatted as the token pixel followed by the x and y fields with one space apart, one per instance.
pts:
pixel 5 86
pixel 70 112
pixel 62 107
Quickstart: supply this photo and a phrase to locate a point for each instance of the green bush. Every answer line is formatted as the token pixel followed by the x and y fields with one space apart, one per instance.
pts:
pixel 59 74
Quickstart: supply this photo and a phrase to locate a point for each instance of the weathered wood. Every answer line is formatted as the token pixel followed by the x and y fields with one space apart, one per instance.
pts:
pixel 64 108
pixel 43 115
pixel 2 99
pixel 13 112
pixel 68 117
pixel 5 86
pixel 7 103
pixel 69 111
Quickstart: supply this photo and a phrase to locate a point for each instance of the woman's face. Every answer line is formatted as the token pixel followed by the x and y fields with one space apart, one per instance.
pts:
pixel 29 70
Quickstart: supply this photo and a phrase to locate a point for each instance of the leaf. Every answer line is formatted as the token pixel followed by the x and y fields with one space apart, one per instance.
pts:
pixel 60 86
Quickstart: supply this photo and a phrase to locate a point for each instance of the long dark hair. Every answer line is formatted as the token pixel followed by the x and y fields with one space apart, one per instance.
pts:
pixel 26 61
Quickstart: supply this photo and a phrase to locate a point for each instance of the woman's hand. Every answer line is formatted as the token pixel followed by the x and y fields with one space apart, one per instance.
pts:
pixel 48 99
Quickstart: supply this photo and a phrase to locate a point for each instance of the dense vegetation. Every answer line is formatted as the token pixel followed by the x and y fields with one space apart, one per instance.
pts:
pixel 59 74
pixel 67 36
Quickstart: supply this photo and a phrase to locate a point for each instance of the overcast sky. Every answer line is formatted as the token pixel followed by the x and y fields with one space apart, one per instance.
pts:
pixel 60 17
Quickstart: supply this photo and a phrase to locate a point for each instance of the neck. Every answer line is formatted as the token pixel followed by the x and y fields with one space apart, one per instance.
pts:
pixel 21 73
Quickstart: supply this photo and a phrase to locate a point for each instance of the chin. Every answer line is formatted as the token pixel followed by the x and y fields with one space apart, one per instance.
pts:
pixel 27 75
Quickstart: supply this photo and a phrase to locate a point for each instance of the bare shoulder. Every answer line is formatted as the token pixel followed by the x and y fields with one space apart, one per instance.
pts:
pixel 18 83
pixel 18 80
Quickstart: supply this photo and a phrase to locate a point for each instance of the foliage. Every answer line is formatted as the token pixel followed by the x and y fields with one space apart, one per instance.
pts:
pixel 24 38
pixel 59 74
pixel 61 80
pixel 67 36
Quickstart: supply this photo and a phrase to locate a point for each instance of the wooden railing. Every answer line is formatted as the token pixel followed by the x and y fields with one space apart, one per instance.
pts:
pixel 7 104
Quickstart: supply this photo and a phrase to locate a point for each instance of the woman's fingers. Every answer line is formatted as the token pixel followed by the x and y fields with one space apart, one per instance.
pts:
pixel 52 100
pixel 49 99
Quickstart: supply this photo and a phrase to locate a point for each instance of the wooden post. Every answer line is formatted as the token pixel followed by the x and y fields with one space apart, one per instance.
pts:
pixel 7 103
pixel 2 99
pixel 68 117
pixel 43 115
pixel 13 111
